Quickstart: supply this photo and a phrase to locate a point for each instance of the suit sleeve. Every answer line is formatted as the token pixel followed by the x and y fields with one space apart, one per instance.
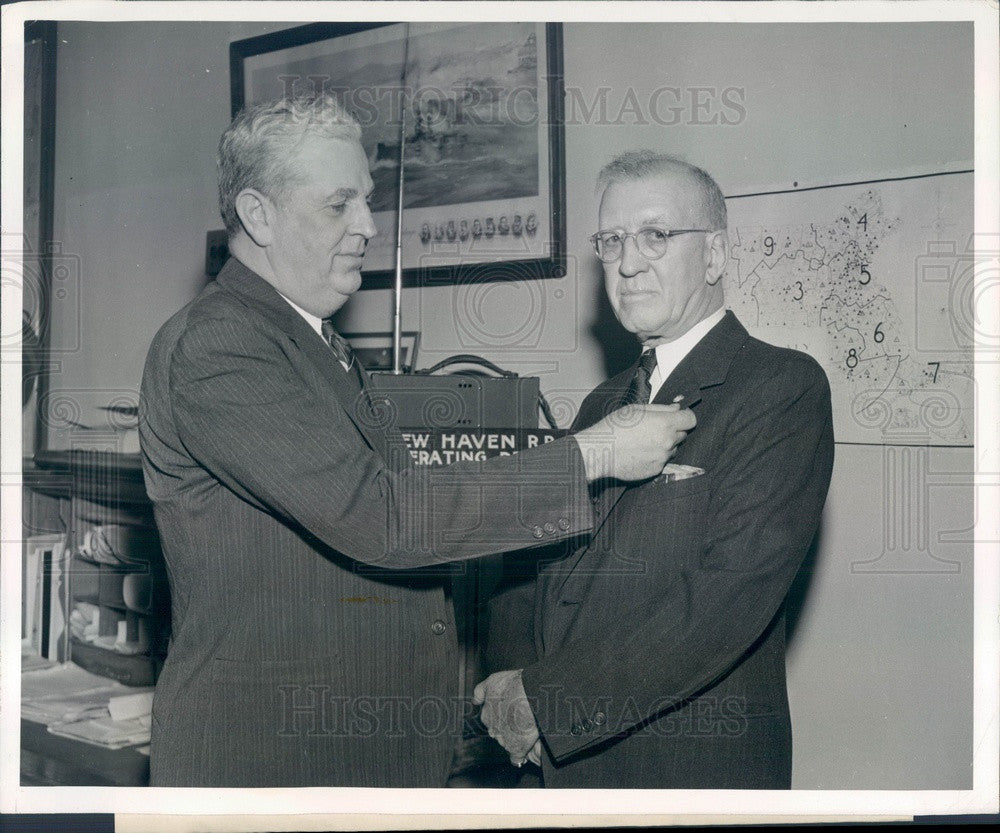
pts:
pixel 244 415
pixel 510 639
pixel 771 483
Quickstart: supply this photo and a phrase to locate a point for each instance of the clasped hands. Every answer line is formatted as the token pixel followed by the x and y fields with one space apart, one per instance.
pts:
pixel 508 717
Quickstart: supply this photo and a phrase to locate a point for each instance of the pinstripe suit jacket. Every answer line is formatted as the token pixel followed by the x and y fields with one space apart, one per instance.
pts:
pixel 301 652
pixel 657 657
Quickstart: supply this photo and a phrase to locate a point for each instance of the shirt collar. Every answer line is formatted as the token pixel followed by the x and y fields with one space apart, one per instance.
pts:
pixel 312 320
pixel 671 354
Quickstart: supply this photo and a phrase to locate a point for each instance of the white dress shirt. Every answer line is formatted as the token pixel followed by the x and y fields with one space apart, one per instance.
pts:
pixel 671 354
pixel 313 321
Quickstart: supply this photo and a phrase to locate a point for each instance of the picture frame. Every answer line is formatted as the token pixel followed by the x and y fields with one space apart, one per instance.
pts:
pixel 484 172
pixel 41 256
pixel 374 350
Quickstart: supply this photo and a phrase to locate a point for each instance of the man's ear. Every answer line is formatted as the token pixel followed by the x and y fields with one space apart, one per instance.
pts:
pixel 717 256
pixel 256 212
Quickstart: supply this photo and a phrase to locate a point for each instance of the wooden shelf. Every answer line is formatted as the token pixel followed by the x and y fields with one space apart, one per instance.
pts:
pixel 48 759
pixel 130 669
pixel 120 607
pixel 97 476
pixel 120 567
pixel 102 487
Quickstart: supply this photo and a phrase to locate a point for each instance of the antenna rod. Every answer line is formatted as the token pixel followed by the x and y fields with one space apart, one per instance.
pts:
pixel 397 316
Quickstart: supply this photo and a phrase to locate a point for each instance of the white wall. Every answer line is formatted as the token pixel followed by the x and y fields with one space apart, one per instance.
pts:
pixel 880 664
pixel 139 110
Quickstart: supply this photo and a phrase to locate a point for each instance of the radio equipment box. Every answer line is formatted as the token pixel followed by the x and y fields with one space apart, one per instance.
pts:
pixel 457 401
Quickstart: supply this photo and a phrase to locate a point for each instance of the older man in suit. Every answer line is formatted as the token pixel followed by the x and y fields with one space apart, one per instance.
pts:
pixel 300 654
pixel 657 656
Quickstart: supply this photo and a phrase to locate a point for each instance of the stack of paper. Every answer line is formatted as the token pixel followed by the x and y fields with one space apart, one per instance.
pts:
pixel 117 544
pixel 103 731
pixel 74 703
pixel 64 693
pixel 42 615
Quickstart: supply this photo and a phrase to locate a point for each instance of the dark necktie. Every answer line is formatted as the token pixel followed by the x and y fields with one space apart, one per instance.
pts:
pixel 640 389
pixel 638 392
pixel 341 349
pixel 355 375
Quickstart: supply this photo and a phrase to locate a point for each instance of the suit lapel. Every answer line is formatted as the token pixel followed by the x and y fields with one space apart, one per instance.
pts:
pixel 606 494
pixel 258 294
pixel 706 366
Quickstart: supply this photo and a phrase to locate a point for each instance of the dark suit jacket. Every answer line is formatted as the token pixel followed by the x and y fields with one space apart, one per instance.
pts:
pixel 658 654
pixel 300 654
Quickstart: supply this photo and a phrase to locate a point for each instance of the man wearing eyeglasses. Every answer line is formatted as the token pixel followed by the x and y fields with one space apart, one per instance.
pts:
pixel 657 653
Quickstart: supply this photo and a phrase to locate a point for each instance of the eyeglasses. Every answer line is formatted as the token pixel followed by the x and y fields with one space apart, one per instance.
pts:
pixel 651 241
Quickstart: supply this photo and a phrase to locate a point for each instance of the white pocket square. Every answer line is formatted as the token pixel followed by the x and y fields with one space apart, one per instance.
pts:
pixel 678 471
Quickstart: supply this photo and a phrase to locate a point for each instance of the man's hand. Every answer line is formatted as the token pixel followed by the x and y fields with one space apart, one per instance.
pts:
pixel 535 755
pixel 634 442
pixel 507 715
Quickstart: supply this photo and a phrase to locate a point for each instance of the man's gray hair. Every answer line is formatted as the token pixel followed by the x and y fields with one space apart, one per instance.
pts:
pixel 640 164
pixel 258 149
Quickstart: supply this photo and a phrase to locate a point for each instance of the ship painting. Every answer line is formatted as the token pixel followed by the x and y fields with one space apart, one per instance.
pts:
pixel 471 119
pixel 470 108
pixel 434 134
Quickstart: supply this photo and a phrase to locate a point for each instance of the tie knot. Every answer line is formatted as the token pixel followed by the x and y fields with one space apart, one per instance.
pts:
pixel 640 390
pixel 647 361
pixel 338 343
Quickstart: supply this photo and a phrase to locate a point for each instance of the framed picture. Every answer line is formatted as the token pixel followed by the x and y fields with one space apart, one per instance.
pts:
pixel 374 350
pixel 477 110
pixel 41 257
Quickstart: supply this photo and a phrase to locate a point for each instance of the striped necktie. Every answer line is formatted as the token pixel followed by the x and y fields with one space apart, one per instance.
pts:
pixel 640 389
pixel 341 349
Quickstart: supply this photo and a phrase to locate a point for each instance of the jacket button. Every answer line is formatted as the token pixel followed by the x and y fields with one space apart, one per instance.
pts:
pixel 438 627
pixel 549 528
pixel 537 532
pixel 576 730
pixel 600 718
pixel 587 725
pixel 564 524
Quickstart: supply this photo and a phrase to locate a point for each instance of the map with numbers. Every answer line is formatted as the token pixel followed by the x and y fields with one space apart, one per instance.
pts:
pixel 876 281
